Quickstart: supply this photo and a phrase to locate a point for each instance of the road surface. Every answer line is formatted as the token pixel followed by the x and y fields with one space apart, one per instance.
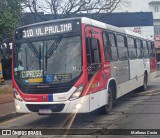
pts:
pixel 133 111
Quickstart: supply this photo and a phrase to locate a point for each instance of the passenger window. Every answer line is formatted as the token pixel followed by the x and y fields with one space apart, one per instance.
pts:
pixel 93 56
pixel 112 39
pixel 122 49
pixel 151 49
pixel 110 51
pixel 93 51
pixel 131 48
pixel 120 41
pixel 145 49
pixel 139 48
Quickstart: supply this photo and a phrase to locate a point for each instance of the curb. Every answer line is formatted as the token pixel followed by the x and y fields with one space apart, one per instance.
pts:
pixel 10 116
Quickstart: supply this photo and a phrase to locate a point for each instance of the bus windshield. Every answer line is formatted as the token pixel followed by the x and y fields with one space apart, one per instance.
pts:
pixel 47 61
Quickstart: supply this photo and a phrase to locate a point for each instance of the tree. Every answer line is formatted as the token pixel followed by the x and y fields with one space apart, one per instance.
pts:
pixel 10 16
pixel 69 8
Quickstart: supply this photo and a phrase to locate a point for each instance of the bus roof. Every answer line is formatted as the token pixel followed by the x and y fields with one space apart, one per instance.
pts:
pixel 83 20
pixel 137 35
pixel 92 22
pixel 101 25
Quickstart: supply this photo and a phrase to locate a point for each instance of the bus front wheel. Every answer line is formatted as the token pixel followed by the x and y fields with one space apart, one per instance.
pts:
pixel 106 109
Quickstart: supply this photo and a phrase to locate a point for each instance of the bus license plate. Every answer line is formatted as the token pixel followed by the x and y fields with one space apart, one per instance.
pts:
pixel 45 111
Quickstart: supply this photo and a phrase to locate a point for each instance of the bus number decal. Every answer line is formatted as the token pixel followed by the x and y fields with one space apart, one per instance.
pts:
pixel 28 33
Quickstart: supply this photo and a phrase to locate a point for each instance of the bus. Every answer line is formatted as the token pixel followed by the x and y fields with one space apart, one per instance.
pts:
pixel 78 65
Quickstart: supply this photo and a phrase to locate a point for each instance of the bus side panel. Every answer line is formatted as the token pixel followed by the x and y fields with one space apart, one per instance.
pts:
pixel 120 71
pixel 128 86
pixel 137 68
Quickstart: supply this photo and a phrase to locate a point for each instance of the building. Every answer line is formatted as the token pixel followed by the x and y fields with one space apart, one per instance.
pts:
pixel 140 22
pixel 154 6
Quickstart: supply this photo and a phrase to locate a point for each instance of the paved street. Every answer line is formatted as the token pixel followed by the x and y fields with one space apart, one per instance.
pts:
pixel 134 111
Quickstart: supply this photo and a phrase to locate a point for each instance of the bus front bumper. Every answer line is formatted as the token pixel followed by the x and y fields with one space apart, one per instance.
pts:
pixel 80 105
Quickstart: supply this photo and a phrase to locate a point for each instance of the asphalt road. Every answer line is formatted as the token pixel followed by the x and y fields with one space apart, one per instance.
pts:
pixel 133 111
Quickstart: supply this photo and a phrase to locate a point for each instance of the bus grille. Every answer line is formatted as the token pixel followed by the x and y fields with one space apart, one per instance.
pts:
pixel 53 107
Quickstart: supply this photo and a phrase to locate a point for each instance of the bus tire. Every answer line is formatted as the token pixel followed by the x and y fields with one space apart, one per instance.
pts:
pixel 106 109
pixel 145 81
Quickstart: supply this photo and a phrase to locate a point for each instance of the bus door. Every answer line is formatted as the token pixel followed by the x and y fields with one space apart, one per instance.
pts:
pixel 94 66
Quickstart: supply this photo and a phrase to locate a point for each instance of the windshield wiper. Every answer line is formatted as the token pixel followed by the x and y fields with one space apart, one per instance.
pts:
pixel 53 47
pixel 50 51
pixel 33 49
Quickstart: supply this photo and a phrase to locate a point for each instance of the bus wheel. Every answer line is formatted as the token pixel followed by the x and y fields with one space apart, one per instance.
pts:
pixel 106 109
pixel 144 86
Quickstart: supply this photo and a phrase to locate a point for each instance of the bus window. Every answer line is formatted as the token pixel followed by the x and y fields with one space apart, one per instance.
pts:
pixel 110 49
pixel 139 48
pixel 131 48
pixel 93 56
pixel 122 49
pixel 153 49
pixel 93 52
pixel 112 39
pixel 150 50
pixel 145 49
pixel 113 46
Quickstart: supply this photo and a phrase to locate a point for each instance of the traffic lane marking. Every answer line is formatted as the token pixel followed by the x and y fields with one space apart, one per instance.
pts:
pixel 14 119
pixel 148 94
pixel 153 94
pixel 149 91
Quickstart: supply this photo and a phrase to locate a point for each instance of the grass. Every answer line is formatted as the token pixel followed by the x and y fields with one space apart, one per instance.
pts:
pixel 5 89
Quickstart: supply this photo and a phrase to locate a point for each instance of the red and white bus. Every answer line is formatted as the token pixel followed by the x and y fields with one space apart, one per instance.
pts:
pixel 78 65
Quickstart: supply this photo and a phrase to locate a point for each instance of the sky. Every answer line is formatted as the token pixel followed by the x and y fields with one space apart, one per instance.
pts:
pixel 135 6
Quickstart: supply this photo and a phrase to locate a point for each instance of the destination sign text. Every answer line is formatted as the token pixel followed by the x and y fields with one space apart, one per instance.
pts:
pixel 46 30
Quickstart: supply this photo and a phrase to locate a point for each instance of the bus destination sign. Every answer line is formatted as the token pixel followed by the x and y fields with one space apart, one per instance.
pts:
pixel 47 29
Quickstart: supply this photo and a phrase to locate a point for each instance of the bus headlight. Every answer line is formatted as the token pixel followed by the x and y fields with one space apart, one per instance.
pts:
pixel 77 93
pixel 16 95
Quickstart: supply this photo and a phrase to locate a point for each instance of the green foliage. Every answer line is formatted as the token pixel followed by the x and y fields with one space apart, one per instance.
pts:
pixel 10 13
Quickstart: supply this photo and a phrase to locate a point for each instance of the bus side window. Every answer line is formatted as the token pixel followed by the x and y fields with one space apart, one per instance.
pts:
pixel 93 56
pixel 150 50
pixel 139 48
pixel 113 47
pixel 107 47
pixel 153 49
pixel 131 48
pixel 88 51
pixel 145 49
pixel 93 51
pixel 110 49
pixel 122 49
